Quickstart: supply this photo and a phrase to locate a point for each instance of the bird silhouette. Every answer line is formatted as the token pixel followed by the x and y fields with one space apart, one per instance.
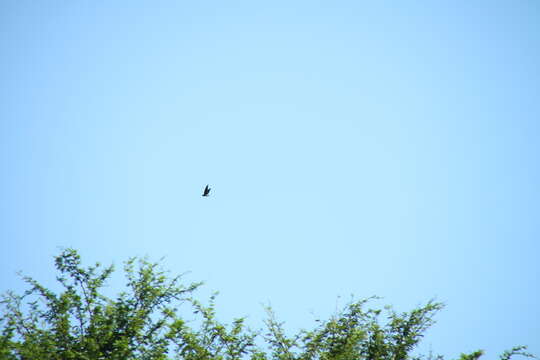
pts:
pixel 206 191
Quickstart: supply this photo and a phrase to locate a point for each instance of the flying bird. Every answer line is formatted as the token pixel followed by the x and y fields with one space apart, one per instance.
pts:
pixel 206 191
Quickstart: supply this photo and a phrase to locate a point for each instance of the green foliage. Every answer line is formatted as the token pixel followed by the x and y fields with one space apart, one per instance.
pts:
pixel 145 322
pixel 518 350
pixel 81 323
pixel 472 356
pixel 355 333
pixel 212 340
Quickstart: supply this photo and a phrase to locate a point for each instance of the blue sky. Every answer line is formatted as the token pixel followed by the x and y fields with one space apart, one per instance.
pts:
pixel 366 148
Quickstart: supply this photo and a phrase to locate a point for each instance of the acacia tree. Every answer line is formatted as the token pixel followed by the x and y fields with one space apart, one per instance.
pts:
pixel 145 322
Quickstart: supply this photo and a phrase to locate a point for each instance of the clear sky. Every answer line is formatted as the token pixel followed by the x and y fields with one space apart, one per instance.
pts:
pixel 369 148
